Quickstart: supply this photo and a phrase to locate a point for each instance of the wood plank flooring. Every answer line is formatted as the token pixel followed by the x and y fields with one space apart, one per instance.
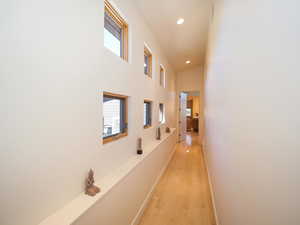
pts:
pixel 182 196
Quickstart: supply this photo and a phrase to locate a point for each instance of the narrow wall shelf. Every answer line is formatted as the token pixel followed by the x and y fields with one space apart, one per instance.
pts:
pixel 77 207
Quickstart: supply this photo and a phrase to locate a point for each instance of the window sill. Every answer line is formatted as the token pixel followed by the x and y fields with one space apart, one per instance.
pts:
pixel 114 138
pixel 77 207
pixel 147 126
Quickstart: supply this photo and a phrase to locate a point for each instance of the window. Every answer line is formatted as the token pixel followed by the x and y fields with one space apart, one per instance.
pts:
pixel 161 113
pixel 147 62
pixel 114 116
pixel 188 112
pixel 162 76
pixel 115 32
pixel 147 113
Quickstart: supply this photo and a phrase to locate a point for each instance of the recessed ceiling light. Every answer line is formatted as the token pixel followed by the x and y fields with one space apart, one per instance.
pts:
pixel 188 62
pixel 180 21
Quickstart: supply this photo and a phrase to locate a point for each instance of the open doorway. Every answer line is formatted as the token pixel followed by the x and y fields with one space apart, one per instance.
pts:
pixel 192 111
pixel 189 111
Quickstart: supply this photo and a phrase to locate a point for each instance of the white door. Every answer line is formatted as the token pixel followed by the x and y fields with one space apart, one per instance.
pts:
pixel 182 115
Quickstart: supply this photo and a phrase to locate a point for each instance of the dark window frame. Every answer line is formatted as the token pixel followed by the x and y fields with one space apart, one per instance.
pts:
pixel 147 62
pixel 123 116
pixel 161 113
pixel 117 26
pixel 148 113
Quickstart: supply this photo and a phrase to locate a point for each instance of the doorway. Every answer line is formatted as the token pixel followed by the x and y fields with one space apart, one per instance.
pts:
pixel 189 111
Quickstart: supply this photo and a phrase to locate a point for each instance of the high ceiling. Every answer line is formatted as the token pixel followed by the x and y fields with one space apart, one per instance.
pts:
pixel 179 42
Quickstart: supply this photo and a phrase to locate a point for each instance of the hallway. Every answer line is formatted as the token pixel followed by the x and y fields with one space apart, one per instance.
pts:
pixel 182 196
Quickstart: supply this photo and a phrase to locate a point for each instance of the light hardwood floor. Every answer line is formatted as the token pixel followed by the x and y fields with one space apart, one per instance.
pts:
pixel 182 196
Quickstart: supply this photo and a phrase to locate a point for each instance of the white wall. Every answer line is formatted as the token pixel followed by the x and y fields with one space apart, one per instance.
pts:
pixel 252 112
pixel 188 80
pixel 53 70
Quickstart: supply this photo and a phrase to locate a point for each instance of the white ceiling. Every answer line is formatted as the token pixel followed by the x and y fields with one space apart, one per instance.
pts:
pixel 179 42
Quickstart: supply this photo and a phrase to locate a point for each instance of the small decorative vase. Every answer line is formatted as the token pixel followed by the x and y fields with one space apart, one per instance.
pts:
pixel 158 134
pixel 139 148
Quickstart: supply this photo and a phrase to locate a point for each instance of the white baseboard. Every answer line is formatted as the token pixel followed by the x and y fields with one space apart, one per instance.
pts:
pixel 139 214
pixel 210 185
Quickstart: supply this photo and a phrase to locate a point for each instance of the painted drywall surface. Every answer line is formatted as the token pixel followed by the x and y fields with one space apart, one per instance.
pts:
pixel 189 80
pixel 252 112
pixel 53 71
pixel 181 43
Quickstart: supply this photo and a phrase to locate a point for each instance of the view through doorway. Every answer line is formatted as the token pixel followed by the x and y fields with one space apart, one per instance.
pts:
pixel 189 111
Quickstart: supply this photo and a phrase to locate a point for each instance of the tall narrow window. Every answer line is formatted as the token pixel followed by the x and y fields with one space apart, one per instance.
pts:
pixel 188 112
pixel 115 32
pixel 162 76
pixel 147 113
pixel 114 116
pixel 147 62
pixel 161 113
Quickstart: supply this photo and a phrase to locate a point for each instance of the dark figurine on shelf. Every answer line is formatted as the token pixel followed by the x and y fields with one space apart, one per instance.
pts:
pixel 90 188
pixel 158 134
pixel 168 130
pixel 139 148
